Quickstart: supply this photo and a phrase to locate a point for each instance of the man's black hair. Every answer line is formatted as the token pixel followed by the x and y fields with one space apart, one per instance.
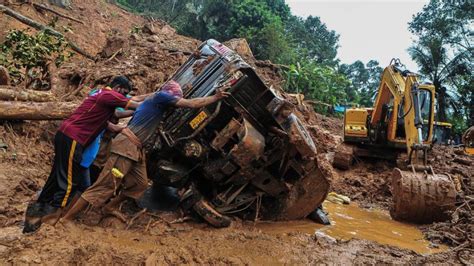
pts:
pixel 121 81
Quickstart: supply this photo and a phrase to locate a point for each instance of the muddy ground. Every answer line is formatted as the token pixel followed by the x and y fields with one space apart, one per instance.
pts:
pixel 149 55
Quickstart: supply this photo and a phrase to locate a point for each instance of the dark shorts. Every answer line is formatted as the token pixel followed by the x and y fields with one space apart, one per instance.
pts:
pixel 65 176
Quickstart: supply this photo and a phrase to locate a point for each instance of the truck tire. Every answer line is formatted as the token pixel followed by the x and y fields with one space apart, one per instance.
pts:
pixel 211 216
pixel 305 195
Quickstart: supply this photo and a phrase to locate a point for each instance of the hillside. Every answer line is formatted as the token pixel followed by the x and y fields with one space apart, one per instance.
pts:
pixel 149 52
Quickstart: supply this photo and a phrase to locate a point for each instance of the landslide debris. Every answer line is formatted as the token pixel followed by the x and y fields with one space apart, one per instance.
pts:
pixel 149 53
pixel 459 230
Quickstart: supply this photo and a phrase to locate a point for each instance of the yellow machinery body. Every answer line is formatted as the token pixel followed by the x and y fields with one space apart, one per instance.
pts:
pixel 355 123
pixel 391 122
pixel 402 118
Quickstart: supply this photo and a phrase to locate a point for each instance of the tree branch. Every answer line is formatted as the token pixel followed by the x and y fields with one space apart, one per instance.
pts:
pixel 43 7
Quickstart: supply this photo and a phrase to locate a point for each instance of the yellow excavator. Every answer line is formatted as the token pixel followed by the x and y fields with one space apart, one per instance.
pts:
pixel 401 119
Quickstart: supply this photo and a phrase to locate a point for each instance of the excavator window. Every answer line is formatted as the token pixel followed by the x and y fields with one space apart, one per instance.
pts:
pixel 425 109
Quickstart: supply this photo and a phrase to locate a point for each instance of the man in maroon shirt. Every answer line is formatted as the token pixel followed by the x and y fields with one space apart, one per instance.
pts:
pixel 74 134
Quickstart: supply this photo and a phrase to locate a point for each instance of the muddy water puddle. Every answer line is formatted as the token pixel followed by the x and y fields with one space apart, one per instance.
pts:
pixel 351 221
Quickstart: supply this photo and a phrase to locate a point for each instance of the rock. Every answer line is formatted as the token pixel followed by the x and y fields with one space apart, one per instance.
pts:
pixel 61 3
pixel 322 236
pixel 241 46
pixel 153 38
pixel 167 30
pixel 113 45
pixel 149 29
pixel 135 36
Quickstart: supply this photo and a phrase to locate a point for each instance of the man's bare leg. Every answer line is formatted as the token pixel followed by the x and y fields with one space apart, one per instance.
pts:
pixel 111 208
pixel 75 208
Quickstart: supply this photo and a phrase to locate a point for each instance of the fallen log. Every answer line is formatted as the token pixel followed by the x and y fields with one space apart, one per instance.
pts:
pixel 462 161
pixel 10 93
pixel 36 111
pixel 43 7
pixel 10 12
pixel 53 79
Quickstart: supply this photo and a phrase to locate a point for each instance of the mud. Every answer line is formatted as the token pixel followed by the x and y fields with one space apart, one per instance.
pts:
pixel 352 222
pixel 149 55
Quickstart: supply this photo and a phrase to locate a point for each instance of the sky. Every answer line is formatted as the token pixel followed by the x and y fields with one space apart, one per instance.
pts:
pixel 368 29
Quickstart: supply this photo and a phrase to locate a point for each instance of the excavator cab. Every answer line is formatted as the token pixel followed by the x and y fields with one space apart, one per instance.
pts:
pixel 442 132
pixel 468 141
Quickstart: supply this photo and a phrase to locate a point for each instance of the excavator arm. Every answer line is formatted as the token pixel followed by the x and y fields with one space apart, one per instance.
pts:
pixel 418 108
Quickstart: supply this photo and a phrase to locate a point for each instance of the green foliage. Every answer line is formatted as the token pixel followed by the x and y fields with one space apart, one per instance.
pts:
pixel 318 82
pixel 24 54
pixel 445 54
pixel 364 80
pixel 273 33
pixel 312 40
pixel 263 23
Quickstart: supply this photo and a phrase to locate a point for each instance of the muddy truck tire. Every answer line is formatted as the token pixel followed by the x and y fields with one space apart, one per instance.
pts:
pixel 304 196
pixel 422 198
pixel 210 215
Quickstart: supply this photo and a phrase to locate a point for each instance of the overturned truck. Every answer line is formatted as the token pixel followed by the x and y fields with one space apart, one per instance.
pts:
pixel 247 155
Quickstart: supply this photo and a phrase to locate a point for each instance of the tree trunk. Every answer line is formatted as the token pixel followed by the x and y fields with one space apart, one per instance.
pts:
pixel 10 93
pixel 53 79
pixel 43 7
pixel 470 110
pixel 441 99
pixel 36 111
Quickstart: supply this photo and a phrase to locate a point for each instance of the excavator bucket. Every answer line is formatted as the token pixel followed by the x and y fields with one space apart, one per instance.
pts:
pixel 422 197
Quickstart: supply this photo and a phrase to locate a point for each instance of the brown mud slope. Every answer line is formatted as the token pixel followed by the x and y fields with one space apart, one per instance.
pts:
pixel 149 55
pixel 100 21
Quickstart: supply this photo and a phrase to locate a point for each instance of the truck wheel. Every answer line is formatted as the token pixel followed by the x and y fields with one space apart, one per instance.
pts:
pixel 305 195
pixel 207 212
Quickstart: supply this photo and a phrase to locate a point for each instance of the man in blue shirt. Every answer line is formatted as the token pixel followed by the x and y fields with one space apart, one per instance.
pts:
pixel 126 167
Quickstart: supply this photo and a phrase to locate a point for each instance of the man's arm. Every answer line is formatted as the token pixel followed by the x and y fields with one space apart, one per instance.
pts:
pixel 115 99
pixel 123 114
pixel 114 128
pixel 201 101
pixel 140 98
pixel 132 104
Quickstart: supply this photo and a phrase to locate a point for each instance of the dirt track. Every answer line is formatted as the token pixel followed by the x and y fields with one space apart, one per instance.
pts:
pixel 149 59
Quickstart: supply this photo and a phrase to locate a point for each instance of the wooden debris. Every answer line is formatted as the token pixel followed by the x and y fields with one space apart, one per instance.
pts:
pixel 4 76
pixel 53 79
pixel 462 161
pixel 45 8
pixel 140 213
pixel 10 93
pixel 36 111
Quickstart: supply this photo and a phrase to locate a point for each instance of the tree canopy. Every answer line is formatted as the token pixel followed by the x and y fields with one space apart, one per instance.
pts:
pixel 444 52
pixel 309 48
